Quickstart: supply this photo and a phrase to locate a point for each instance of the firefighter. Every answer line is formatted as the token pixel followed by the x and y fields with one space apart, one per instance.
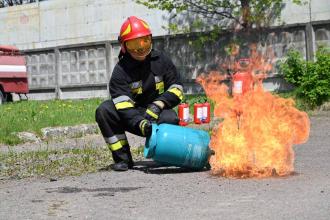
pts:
pixel 144 87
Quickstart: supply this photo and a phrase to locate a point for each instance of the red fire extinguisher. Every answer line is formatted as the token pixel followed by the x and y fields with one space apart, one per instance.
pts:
pixel 198 113
pixel 242 79
pixel 183 112
pixel 206 112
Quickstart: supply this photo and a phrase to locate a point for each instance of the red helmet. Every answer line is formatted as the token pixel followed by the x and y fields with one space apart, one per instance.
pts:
pixel 133 28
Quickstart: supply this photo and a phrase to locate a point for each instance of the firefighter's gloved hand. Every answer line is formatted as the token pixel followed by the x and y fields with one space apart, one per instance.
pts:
pixel 152 113
pixel 145 127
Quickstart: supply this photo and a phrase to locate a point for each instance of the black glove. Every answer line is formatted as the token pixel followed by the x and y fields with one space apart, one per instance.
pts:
pixel 145 127
pixel 152 113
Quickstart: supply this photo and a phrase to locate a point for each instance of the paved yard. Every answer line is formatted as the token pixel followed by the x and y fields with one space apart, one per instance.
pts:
pixel 151 192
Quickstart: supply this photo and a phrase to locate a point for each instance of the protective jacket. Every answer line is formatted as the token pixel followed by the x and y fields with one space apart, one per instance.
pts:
pixel 135 84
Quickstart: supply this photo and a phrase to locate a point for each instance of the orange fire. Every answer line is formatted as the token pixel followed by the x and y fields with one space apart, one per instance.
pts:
pixel 258 130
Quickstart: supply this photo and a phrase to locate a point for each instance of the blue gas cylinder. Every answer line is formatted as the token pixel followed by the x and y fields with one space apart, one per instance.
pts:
pixel 179 146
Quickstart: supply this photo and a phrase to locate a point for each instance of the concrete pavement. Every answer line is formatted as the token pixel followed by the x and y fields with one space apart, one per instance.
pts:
pixel 153 192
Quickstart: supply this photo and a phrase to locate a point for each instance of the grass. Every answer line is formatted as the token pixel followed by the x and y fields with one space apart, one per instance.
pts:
pixel 57 163
pixel 33 115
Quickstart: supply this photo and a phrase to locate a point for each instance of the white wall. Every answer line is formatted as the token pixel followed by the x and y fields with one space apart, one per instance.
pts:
pixel 293 14
pixel 65 22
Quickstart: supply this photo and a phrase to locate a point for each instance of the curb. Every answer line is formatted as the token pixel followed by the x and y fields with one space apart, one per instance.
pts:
pixel 78 136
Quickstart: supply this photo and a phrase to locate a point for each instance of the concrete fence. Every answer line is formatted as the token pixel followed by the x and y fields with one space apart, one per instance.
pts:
pixel 71 72
pixel 84 70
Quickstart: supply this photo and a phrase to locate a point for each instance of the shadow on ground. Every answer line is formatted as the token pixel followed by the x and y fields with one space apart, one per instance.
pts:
pixel 151 167
pixel 109 191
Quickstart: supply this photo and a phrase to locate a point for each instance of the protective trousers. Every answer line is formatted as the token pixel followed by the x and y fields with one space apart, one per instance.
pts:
pixel 113 129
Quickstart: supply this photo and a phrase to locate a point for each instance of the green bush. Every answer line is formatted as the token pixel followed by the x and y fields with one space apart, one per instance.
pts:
pixel 311 79
pixel 201 98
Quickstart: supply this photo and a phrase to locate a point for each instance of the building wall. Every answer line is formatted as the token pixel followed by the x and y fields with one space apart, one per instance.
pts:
pixel 55 23
pixel 71 46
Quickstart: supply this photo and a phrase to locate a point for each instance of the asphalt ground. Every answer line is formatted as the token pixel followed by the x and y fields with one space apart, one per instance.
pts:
pixel 153 192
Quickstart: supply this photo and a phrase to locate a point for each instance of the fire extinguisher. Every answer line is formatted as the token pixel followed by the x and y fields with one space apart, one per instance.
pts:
pixel 206 112
pixel 242 79
pixel 183 112
pixel 198 113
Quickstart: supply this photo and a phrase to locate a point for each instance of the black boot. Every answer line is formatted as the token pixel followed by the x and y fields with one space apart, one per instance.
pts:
pixel 123 159
pixel 120 166
pixel 130 159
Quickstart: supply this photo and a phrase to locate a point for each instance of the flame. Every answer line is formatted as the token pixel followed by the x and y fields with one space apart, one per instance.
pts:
pixel 259 129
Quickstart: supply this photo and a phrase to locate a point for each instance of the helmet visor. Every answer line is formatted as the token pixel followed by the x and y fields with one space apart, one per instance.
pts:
pixel 139 46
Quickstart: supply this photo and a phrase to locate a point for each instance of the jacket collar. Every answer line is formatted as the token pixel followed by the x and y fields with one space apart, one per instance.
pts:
pixel 154 53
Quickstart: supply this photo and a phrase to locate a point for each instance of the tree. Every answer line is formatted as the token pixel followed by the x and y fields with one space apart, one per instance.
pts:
pixel 7 3
pixel 227 29
pixel 238 14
